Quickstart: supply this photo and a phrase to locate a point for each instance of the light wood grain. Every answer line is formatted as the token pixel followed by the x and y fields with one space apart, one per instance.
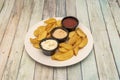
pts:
pixel 112 31
pixel 1 4
pixel 105 62
pixel 115 9
pixel 89 68
pixel 4 19
pixel 12 66
pixel 26 73
pixel 9 36
pixel 46 73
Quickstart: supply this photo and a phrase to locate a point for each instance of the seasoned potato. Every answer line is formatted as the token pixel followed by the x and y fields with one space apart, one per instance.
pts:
pixel 71 34
pixel 66 46
pixel 76 49
pixel 42 36
pixel 62 49
pixel 34 40
pixel 39 31
pixel 83 43
pixel 63 56
pixel 72 40
pixel 50 20
pixel 80 32
pixel 78 41
pixel 36 45
pixel 58 23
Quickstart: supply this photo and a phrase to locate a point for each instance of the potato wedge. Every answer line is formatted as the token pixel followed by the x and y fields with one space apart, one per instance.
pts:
pixel 71 34
pixel 77 42
pixel 39 31
pixel 80 33
pixel 76 49
pixel 58 23
pixel 63 56
pixel 66 46
pixel 62 50
pixel 36 45
pixel 83 43
pixel 50 20
pixel 42 36
pixel 34 40
pixel 72 40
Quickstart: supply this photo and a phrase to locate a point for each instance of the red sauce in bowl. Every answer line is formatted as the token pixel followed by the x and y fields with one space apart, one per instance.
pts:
pixel 70 23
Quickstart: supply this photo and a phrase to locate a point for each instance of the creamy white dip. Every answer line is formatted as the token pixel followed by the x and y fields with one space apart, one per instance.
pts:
pixel 49 44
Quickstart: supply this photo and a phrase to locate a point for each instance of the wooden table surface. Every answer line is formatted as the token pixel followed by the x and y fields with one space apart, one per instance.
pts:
pixel 102 17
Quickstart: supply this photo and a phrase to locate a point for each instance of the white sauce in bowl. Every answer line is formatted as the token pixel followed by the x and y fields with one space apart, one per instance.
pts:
pixel 49 44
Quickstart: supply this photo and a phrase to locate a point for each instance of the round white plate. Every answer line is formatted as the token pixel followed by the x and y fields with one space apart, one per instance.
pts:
pixel 38 56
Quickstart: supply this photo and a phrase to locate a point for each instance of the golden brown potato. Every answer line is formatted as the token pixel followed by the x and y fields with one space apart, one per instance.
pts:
pixel 34 40
pixel 71 34
pixel 63 56
pixel 58 23
pixel 76 49
pixel 80 32
pixel 66 46
pixel 50 20
pixel 83 43
pixel 72 40
pixel 62 50
pixel 39 31
pixel 78 41
pixel 36 45
pixel 42 36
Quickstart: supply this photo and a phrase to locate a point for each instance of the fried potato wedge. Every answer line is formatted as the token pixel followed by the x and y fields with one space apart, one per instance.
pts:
pixel 50 20
pixel 80 33
pixel 34 40
pixel 58 23
pixel 72 40
pixel 76 49
pixel 77 42
pixel 63 56
pixel 71 34
pixel 36 45
pixel 83 43
pixel 66 46
pixel 62 50
pixel 39 31
pixel 42 36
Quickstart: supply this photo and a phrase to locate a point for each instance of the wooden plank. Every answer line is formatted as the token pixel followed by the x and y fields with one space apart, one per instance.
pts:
pixel 49 9
pixel 47 72
pixel 115 10
pixel 71 10
pixel 25 72
pixel 9 35
pixel 12 66
pixel 4 19
pixel 105 62
pixel 60 8
pixel 75 69
pixel 112 31
pixel 1 4
pixel 89 68
pixel 60 73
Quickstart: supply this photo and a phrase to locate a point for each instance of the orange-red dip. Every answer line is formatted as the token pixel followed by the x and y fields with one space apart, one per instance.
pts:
pixel 69 22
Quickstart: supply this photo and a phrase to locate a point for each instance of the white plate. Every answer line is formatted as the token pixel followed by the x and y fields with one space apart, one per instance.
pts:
pixel 38 56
